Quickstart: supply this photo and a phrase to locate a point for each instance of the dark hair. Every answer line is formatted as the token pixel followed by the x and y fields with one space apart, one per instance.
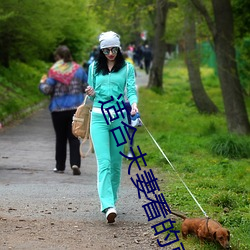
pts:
pixel 102 67
pixel 64 53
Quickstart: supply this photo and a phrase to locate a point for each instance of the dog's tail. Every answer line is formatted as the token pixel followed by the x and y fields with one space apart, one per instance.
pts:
pixel 179 215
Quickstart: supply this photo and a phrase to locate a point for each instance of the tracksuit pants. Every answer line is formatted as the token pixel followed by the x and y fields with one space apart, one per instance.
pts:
pixel 109 161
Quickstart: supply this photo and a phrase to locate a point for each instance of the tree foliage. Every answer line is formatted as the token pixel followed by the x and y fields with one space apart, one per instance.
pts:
pixel 28 33
pixel 126 17
pixel 241 18
pixel 175 25
pixel 242 34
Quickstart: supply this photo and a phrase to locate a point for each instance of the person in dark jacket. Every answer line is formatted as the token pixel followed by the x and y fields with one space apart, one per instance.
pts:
pixel 147 54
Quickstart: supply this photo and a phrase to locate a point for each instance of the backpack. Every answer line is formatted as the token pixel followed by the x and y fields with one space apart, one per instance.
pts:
pixel 81 125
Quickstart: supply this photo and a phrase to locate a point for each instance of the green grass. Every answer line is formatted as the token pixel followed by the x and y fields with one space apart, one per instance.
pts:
pixel 214 164
pixel 19 87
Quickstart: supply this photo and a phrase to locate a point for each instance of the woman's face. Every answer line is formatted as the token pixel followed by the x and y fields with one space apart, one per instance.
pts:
pixel 110 53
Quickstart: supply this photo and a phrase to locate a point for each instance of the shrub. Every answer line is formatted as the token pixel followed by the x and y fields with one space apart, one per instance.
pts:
pixel 231 146
pixel 224 200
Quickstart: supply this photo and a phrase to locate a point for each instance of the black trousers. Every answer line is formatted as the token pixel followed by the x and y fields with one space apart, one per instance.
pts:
pixel 147 65
pixel 62 122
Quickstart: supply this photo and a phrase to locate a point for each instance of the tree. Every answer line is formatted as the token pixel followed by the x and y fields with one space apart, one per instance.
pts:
pixel 28 33
pixel 23 33
pixel 128 18
pixel 242 33
pixel 223 38
pixel 201 99
pixel 159 44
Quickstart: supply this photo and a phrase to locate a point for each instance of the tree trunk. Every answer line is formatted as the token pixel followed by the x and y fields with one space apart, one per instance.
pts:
pixel 159 46
pixel 201 99
pixel 233 97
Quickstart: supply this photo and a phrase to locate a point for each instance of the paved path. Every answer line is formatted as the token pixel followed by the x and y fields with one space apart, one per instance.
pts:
pixel 141 78
pixel 30 192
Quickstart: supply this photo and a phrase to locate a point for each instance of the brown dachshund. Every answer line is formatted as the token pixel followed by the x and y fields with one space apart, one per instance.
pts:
pixel 205 229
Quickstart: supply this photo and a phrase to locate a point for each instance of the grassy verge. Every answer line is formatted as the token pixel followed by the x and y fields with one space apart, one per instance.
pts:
pixel 212 163
pixel 19 88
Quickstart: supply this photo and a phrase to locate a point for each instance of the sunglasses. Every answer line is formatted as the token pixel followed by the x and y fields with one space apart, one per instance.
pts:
pixel 106 51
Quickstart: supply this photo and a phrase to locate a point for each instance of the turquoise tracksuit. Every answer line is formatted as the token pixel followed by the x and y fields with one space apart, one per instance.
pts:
pixel 109 160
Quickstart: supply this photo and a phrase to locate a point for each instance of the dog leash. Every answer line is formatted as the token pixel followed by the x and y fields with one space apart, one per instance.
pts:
pixel 174 170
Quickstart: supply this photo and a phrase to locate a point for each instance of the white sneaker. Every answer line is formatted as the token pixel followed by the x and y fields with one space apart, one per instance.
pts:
pixel 58 171
pixel 129 154
pixel 111 214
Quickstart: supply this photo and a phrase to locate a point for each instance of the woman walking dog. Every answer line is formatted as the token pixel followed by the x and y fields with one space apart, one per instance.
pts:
pixel 108 77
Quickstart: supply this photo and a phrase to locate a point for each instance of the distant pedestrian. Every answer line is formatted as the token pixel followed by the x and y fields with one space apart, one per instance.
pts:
pixel 147 54
pixel 93 55
pixel 65 84
pixel 107 80
pixel 138 55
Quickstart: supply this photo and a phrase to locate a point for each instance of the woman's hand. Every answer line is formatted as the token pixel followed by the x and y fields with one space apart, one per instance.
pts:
pixel 90 91
pixel 43 79
pixel 134 109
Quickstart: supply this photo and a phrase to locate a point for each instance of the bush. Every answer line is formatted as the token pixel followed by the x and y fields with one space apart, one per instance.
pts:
pixel 231 146
pixel 224 200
